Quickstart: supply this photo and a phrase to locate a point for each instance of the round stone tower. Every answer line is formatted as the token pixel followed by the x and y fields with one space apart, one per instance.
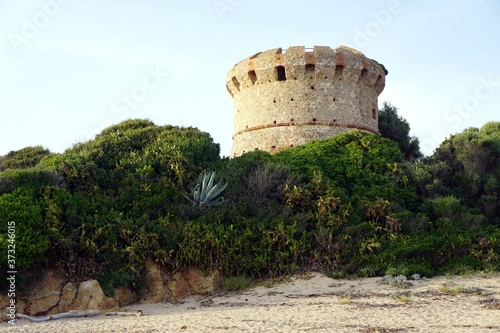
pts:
pixel 284 98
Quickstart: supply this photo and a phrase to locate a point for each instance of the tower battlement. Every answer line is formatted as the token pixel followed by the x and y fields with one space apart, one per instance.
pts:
pixel 283 98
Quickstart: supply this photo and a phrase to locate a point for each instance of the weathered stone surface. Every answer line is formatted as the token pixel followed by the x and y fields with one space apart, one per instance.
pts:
pixel 155 287
pixel 200 284
pixel 192 282
pixel 178 287
pixel 90 296
pixel 162 287
pixel 287 98
pixel 19 306
pixel 45 293
pixel 124 296
pixel 55 294
pixel 68 295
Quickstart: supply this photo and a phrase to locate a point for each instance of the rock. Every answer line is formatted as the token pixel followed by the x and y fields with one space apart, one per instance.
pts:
pixel 161 286
pixel 192 282
pixel 21 306
pixel 55 294
pixel 178 287
pixel 200 284
pixel 91 297
pixel 68 295
pixel 124 296
pixel 45 293
pixel 155 287
pixel 4 302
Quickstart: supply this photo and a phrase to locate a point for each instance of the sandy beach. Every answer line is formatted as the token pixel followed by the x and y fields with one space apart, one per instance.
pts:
pixel 312 303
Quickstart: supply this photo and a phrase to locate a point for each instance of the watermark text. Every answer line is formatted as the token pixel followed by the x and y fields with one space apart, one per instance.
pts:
pixel 456 114
pixel 222 7
pixel 381 19
pixel 11 272
pixel 31 26
pixel 123 105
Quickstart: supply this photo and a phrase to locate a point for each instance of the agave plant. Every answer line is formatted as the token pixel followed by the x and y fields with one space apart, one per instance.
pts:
pixel 205 192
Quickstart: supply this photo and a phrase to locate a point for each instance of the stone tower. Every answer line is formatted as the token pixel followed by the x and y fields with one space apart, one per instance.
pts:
pixel 284 98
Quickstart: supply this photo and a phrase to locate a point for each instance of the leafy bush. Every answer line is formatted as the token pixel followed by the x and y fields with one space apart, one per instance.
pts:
pixel 349 205
pixel 394 127
pixel 33 179
pixel 24 158
pixel 467 167
pixel 26 212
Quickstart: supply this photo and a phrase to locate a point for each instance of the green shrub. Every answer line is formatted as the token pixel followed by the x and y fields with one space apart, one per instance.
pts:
pixel 24 158
pixel 350 205
pixel 31 241
pixel 33 179
pixel 416 268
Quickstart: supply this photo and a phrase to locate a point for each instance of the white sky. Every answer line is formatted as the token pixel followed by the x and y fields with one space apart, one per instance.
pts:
pixel 69 68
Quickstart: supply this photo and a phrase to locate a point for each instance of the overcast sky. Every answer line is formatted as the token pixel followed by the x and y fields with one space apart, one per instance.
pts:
pixel 69 68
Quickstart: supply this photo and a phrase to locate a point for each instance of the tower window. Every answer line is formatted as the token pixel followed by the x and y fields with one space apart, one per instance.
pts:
pixel 280 73
pixel 236 83
pixel 339 70
pixel 252 76
pixel 363 76
pixel 229 91
pixel 374 114
pixel 310 69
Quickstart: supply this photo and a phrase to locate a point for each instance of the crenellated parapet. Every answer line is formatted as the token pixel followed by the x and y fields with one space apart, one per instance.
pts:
pixel 284 98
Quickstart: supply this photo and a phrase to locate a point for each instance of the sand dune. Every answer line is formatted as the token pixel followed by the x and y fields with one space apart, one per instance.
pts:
pixel 313 303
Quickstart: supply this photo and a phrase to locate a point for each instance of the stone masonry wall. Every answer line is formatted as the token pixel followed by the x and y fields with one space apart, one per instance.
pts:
pixel 284 99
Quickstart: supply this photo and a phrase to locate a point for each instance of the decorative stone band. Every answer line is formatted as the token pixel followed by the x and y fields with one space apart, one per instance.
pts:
pixel 306 123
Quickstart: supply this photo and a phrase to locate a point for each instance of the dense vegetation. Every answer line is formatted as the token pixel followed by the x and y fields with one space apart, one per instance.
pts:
pixel 393 126
pixel 355 204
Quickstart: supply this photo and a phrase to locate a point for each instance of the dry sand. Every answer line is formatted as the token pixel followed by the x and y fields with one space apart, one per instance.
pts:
pixel 312 303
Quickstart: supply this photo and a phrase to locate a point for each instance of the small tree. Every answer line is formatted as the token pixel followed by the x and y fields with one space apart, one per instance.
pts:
pixel 396 128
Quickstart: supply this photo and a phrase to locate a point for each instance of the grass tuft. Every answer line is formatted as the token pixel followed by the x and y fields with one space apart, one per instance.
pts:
pixel 454 290
pixel 338 274
pixel 236 283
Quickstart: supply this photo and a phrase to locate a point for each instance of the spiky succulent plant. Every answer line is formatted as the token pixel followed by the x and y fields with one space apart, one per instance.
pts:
pixel 206 192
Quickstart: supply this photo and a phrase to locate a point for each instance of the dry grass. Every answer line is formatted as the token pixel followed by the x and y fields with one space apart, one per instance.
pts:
pixel 460 289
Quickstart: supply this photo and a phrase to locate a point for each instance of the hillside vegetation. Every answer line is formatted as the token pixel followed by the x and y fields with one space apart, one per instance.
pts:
pixel 350 205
